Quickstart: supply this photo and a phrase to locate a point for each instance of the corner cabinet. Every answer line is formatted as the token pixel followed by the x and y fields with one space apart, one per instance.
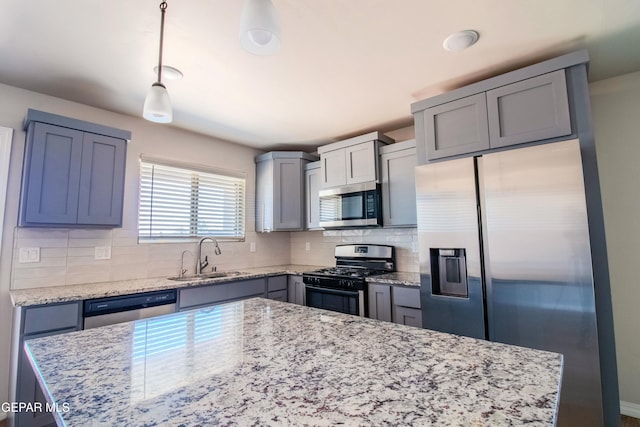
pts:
pixel 73 172
pixel 296 290
pixel 312 195
pixel 527 105
pixel 280 190
pixel 397 169
pixel 351 161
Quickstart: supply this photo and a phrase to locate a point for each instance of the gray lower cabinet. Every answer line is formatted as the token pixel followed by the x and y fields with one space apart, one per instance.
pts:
pixel 277 288
pixel 206 295
pixel 296 291
pixel 406 306
pixel 312 184
pixel 72 175
pixel 397 170
pixel 380 301
pixel 37 322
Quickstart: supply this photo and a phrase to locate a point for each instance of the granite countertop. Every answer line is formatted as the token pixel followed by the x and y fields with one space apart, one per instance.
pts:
pixel 265 362
pixel 403 278
pixel 55 294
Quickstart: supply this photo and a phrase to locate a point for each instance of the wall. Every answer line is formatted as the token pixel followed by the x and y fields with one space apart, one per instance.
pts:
pixel 615 104
pixel 67 255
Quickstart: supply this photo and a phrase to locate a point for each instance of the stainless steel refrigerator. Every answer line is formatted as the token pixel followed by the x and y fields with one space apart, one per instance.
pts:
pixel 505 256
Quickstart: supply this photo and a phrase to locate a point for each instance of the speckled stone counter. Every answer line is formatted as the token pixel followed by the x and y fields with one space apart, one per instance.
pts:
pixel 55 294
pixel 402 278
pixel 264 362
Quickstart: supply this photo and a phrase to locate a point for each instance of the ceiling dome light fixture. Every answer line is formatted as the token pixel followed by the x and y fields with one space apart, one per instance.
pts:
pixel 157 105
pixel 460 40
pixel 259 30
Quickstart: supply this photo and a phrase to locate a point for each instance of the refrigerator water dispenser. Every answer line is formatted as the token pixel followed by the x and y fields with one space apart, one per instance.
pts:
pixel 449 272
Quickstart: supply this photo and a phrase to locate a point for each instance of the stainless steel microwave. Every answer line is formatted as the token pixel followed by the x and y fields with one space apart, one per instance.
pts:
pixel 356 205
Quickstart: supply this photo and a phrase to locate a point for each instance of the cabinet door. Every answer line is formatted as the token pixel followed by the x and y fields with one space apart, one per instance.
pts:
pixel 247 289
pixel 288 194
pixel 101 180
pixel 202 296
pixel 278 295
pixel 407 316
pixel 399 188
pixel 361 162
pixel 380 302
pixel 333 167
pixel 312 202
pixel 529 110
pixel 457 127
pixel 295 290
pixel 53 175
pixel 277 283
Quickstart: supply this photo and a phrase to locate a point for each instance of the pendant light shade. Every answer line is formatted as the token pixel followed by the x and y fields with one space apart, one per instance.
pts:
pixel 259 31
pixel 157 105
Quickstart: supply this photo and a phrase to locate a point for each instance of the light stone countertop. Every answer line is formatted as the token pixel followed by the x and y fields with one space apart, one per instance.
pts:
pixel 66 293
pixel 265 362
pixel 403 278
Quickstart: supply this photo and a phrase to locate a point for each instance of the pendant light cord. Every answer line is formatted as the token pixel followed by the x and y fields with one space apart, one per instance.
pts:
pixel 163 9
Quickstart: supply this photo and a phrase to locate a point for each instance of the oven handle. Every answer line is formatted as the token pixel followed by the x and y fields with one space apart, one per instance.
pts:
pixel 332 291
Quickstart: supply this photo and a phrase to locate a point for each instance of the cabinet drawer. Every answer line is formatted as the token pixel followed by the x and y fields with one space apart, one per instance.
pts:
pixel 277 283
pixel 51 318
pixel 204 295
pixel 407 316
pixel 406 297
pixel 247 288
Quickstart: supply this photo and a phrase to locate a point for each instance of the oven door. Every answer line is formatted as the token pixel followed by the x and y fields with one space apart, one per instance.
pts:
pixel 349 302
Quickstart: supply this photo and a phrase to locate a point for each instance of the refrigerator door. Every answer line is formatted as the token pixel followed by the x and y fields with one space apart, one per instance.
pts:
pixel 448 227
pixel 539 282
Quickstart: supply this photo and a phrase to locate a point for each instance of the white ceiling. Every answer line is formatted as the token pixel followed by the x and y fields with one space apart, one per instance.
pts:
pixel 346 67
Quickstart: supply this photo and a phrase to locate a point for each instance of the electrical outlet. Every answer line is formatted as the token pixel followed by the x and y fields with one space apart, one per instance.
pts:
pixel 102 252
pixel 29 255
pixel 252 247
pixel 307 246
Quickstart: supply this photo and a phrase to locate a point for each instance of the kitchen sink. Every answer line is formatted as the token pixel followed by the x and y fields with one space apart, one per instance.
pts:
pixel 211 275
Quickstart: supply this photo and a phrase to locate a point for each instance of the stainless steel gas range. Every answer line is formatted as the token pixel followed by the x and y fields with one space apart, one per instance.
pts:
pixel 343 288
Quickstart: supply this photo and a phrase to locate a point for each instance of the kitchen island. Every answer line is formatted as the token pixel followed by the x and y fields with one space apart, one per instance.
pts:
pixel 264 362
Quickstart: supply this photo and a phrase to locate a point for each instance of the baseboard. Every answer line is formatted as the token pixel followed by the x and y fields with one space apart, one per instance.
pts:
pixel 630 409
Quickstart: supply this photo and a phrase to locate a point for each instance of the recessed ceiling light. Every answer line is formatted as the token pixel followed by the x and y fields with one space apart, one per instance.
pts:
pixel 460 41
pixel 169 72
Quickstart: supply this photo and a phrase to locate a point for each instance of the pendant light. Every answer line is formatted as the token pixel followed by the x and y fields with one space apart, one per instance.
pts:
pixel 259 32
pixel 157 105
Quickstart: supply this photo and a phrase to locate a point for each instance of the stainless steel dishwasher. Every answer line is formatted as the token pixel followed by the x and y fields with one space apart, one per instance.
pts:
pixel 107 311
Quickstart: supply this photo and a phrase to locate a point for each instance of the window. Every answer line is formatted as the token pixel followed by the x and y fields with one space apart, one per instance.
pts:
pixel 187 202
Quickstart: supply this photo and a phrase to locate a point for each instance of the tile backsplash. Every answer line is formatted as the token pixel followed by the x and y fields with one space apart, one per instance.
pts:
pixel 317 247
pixel 68 256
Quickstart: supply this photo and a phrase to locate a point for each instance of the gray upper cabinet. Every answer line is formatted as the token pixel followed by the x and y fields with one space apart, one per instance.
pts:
pixel 351 161
pixel 530 110
pixel 280 190
pixel 73 172
pixel 529 105
pixel 457 127
pixel 312 195
pixel 397 170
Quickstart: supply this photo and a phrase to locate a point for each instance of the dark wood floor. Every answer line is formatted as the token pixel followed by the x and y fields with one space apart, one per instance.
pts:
pixel 626 422
pixel 4 423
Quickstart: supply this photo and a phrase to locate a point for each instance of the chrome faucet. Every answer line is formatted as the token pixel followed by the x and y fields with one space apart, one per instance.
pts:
pixel 200 264
pixel 183 270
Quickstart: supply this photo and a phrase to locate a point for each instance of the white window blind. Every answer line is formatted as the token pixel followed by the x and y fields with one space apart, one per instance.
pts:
pixel 178 202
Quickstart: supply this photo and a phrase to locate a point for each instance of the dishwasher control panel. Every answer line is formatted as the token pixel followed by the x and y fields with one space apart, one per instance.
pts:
pixel 100 306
